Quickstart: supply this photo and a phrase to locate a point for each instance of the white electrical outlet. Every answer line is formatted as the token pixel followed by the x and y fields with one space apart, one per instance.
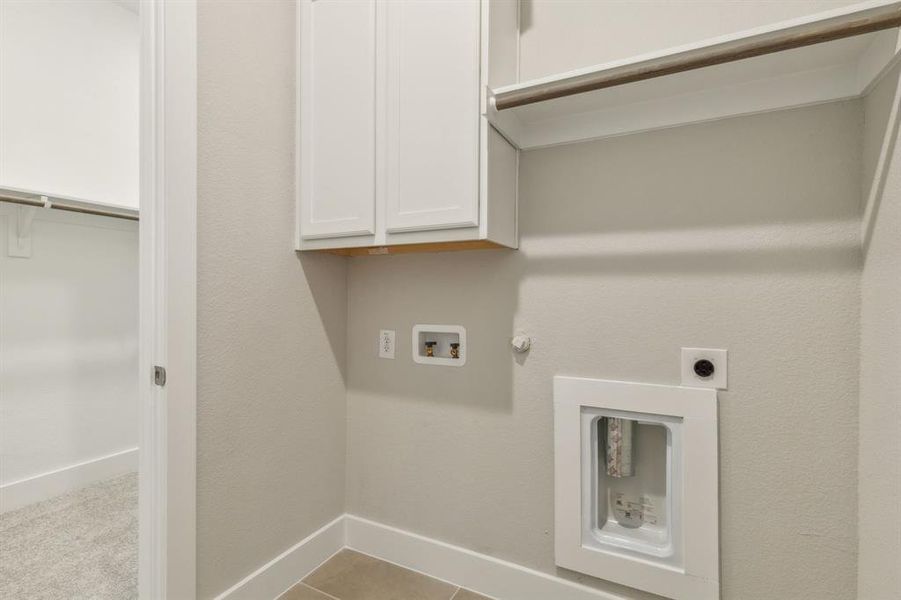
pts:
pixel 386 343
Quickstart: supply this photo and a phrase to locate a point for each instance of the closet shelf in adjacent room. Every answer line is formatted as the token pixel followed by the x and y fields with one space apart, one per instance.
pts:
pixel 824 57
pixel 66 203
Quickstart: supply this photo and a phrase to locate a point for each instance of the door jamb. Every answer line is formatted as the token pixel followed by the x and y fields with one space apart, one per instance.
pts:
pixel 168 290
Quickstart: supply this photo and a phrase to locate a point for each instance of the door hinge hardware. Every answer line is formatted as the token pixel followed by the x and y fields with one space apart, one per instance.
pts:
pixel 159 375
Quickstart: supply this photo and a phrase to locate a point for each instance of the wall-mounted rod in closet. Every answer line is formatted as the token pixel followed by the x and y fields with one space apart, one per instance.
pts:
pixel 129 215
pixel 807 34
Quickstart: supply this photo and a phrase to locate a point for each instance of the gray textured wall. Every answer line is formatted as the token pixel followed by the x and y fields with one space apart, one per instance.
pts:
pixel 741 234
pixel 559 35
pixel 880 367
pixel 271 397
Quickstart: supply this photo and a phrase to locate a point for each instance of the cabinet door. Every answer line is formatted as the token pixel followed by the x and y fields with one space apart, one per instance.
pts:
pixel 432 123
pixel 336 117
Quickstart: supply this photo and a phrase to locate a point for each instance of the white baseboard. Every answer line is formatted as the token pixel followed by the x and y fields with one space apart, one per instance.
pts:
pixel 478 572
pixel 292 565
pixel 17 494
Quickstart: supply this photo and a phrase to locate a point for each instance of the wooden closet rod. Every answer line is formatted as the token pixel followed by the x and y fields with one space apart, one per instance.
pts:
pixel 807 34
pixel 69 207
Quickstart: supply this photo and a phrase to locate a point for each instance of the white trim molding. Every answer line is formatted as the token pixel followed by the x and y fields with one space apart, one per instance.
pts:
pixel 23 492
pixel 288 568
pixel 481 573
pixel 168 290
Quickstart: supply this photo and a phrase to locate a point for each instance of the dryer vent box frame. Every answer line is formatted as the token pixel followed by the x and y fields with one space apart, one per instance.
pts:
pixel 441 345
pixel 642 511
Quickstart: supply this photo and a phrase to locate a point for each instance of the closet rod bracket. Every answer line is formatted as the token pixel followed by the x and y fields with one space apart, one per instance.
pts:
pixel 19 233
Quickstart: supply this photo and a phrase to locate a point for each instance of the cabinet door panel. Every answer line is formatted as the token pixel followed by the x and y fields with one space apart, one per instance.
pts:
pixel 433 114
pixel 337 83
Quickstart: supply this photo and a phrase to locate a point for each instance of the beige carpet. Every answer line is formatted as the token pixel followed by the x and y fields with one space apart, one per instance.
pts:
pixel 80 546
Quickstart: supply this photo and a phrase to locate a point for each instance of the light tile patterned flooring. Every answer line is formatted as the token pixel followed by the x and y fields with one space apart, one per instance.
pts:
pixel 350 575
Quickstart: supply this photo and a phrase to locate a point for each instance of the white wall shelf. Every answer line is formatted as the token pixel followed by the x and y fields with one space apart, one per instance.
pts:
pixel 70 119
pixel 820 72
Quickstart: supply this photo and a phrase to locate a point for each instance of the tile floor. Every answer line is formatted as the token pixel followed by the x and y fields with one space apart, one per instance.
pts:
pixel 350 575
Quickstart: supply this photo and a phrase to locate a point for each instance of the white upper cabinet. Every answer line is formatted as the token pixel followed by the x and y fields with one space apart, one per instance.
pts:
pixel 336 120
pixel 394 148
pixel 433 115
